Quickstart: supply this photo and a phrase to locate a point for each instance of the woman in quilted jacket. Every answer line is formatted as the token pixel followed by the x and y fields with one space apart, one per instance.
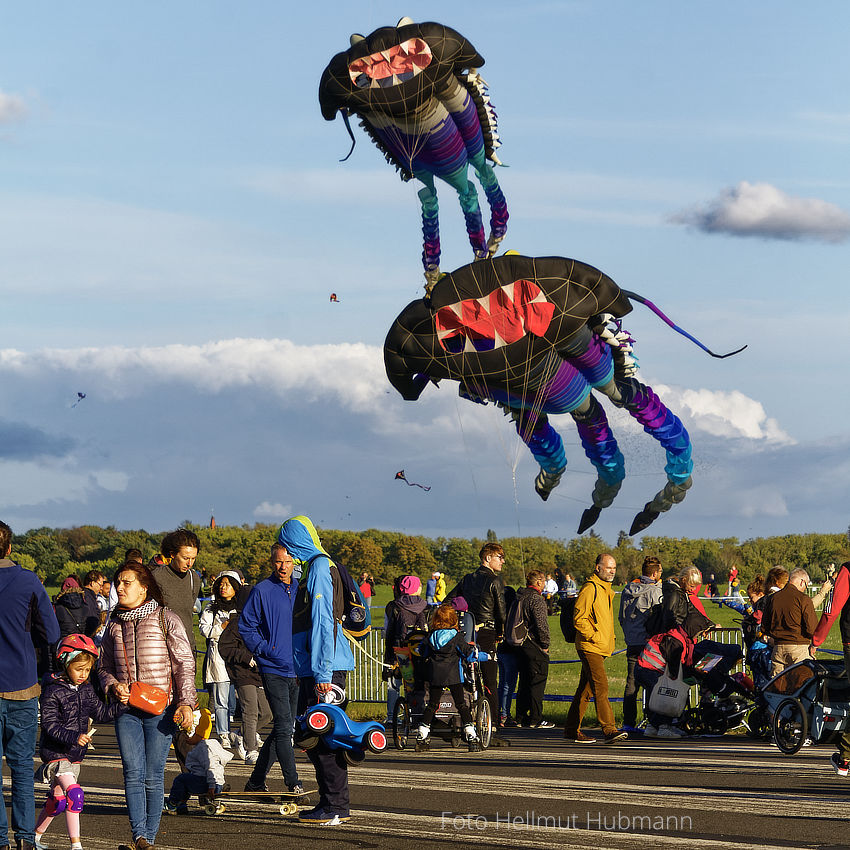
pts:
pixel 146 643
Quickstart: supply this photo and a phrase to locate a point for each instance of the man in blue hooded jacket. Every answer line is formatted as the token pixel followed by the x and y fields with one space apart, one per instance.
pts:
pixel 322 658
pixel 265 625
pixel 25 616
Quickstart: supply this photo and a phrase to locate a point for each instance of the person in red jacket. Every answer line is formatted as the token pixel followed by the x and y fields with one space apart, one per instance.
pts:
pixel 840 609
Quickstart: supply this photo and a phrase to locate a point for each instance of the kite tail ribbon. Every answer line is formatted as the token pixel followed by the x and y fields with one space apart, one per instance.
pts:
pixel 430 229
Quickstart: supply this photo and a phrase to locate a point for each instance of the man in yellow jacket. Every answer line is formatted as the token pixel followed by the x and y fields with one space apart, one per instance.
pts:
pixel 594 623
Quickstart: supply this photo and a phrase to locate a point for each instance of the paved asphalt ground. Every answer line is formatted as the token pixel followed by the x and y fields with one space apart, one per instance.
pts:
pixel 542 792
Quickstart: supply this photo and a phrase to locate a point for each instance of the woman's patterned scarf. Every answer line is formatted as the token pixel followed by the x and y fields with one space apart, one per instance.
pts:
pixel 139 613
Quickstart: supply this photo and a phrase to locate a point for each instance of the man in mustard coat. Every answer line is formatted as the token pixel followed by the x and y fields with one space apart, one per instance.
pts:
pixel 594 623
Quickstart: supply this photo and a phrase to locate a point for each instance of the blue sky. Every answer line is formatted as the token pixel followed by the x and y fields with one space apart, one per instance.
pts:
pixel 174 216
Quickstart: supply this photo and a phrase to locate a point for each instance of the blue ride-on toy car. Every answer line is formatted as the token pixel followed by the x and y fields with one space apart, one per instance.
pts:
pixel 329 723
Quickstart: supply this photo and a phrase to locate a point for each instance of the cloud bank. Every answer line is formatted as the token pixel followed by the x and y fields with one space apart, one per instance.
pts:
pixel 264 428
pixel 759 209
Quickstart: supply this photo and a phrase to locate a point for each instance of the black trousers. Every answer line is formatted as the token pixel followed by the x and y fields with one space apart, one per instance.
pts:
pixel 330 766
pixel 486 639
pixel 630 702
pixel 533 665
pixel 434 694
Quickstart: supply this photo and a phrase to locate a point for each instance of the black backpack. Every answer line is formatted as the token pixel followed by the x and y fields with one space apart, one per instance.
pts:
pixel 568 610
pixel 516 632
pixel 654 622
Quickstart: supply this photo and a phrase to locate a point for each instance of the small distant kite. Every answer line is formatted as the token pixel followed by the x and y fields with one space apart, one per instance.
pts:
pixel 334 298
pixel 80 397
pixel 400 475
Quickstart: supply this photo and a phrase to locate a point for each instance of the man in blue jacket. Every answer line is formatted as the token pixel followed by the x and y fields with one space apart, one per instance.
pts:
pixel 322 658
pixel 26 615
pixel 266 628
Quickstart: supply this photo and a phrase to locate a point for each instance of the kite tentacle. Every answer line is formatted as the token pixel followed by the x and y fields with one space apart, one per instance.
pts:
pixel 546 445
pixel 663 425
pixel 430 228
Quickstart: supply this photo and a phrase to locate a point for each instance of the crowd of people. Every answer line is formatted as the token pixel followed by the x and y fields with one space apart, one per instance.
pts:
pixel 122 650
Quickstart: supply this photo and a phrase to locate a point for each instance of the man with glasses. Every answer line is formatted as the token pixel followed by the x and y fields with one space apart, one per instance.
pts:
pixel 266 628
pixel 484 592
pixel 790 621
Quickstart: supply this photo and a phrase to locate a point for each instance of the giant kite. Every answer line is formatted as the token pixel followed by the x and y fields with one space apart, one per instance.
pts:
pixel 420 98
pixel 537 336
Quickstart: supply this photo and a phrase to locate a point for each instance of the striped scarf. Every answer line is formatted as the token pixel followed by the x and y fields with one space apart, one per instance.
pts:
pixel 139 613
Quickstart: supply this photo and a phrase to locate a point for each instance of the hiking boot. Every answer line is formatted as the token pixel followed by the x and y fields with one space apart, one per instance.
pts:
pixel 840 765
pixel 142 844
pixel 616 735
pixel 259 786
pixel 581 738
pixel 474 745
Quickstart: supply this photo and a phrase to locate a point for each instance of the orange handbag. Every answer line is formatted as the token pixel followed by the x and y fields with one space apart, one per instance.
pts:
pixel 148 698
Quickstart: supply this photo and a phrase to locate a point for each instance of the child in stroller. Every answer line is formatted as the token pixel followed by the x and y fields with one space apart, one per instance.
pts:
pixel 445 650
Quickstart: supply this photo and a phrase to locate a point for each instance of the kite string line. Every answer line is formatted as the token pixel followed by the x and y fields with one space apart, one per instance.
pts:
pixel 468 458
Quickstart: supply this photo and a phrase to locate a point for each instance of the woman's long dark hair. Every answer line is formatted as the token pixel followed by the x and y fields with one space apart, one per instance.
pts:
pixel 145 578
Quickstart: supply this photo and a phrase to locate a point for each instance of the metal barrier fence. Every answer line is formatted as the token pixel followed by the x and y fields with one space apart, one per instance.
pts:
pixel 365 684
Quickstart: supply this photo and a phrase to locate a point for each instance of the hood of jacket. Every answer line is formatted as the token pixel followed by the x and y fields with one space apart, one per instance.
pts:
pixel 301 540
pixel 641 587
pixel 439 638
pixel 414 604
pixel 73 598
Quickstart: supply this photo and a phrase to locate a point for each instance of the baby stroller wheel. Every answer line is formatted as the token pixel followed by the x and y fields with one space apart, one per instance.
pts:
pixel 790 726
pixel 456 741
pixel 401 723
pixel 483 721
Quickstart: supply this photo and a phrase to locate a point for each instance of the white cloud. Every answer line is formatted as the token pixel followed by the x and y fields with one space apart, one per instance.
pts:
pixel 723 414
pixel 759 501
pixel 352 372
pixel 273 510
pixel 12 108
pixel 759 209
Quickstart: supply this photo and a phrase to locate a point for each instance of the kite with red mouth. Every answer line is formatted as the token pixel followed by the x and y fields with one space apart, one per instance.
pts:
pixel 422 101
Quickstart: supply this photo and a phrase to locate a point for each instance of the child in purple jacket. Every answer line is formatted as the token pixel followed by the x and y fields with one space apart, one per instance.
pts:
pixel 68 701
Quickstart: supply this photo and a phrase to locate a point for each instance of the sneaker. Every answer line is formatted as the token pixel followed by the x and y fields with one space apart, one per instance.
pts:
pixel 224 740
pixel 581 738
pixel 297 788
pixel 474 745
pixel 543 724
pixel 323 817
pixel 251 758
pixel 38 844
pixel 839 765
pixel 616 735
pixel 175 808
pixel 259 786
pixel 650 731
pixel 75 846
pixel 669 732
pixel 241 752
pixel 509 723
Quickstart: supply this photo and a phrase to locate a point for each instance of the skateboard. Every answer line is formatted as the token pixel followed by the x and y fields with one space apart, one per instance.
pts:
pixel 286 800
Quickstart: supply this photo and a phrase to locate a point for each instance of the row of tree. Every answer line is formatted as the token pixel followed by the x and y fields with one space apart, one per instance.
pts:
pixel 56 553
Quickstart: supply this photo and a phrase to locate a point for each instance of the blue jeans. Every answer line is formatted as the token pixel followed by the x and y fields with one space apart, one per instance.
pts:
pixel 143 741
pixel 282 695
pixel 187 784
pixel 221 695
pixel 18 724
pixel 508 672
